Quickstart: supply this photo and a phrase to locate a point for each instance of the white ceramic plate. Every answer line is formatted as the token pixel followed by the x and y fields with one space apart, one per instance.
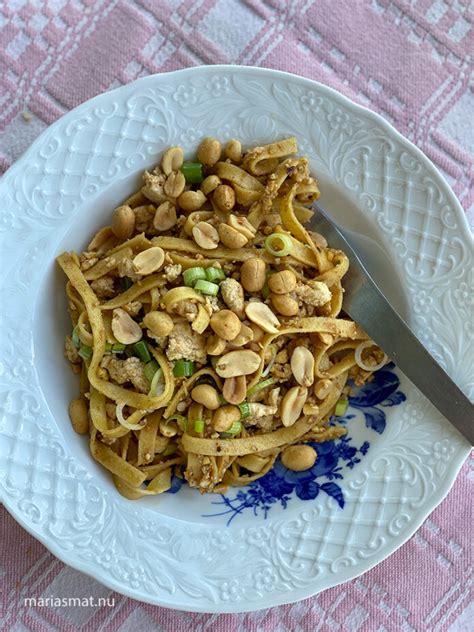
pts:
pixel 290 535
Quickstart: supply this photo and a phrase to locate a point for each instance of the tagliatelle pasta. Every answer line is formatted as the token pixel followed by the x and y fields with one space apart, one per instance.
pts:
pixel 207 326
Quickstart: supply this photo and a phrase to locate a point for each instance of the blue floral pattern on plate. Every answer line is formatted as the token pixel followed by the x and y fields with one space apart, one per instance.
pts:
pixel 279 485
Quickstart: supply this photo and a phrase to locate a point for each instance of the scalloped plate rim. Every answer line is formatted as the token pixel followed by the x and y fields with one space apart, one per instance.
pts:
pixel 236 609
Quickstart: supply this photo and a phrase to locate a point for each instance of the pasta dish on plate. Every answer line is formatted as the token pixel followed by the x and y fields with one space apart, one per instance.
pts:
pixel 208 329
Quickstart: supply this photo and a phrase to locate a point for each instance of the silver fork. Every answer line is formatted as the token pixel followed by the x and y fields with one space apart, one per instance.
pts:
pixel 366 304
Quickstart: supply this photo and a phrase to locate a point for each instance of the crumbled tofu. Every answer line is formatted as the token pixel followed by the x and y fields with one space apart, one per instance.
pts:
pixel 233 295
pixel 144 218
pixel 172 272
pixel 87 260
pixel 125 269
pixel 129 370
pixel 104 287
pixel 315 294
pixel 184 343
pixel 186 309
pixel 265 422
pixel 282 357
pixel 133 308
pixel 70 351
pixel 161 341
pixel 281 371
pixel 153 187
pixel 211 305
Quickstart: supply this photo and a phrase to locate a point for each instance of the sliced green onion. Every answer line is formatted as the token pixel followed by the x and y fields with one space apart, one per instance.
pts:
pixel 85 352
pixel 180 420
pixel 142 352
pixel 183 368
pixel 118 347
pixel 278 244
pixel 108 346
pixel 341 407
pixel 199 425
pixel 130 351
pixel 215 274
pixel 265 291
pixel 192 275
pixel 192 172
pixel 154 383
pixel 126 283
pixel 207 288
pixel 258 387
pixel 76 341
pixel 233 430
pixel 150 369
pixel 244 410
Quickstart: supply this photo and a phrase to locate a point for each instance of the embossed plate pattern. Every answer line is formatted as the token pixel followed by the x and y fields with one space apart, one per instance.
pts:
pixel 165 552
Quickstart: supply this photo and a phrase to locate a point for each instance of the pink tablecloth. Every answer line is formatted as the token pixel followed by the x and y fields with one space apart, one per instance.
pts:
pixel 408 60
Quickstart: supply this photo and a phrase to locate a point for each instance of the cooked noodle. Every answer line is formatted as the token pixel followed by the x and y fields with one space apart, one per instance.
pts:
pixel 184 298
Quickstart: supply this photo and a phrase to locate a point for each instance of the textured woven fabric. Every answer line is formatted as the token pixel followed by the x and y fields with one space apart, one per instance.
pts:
pixel 409 60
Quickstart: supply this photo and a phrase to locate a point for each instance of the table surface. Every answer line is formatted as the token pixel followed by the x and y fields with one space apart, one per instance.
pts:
pixel 409 60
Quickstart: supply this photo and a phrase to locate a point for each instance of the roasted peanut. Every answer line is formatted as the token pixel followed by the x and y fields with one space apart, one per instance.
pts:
pixel 205 235
pixel 191 200
pixel 298 457
pixel 242 225
pixel 159 323
pixel 235 389
pixel 174 184
pixel 224 197
pixel 195 217
pixel 253 274
pixel 209 151
pixel 124 328
pixel 233 150
pixel 323 388
pixel 102 239
pixel 123 222
pixel 224 417
pixel 225 324
pixel 262 315
pixel 235 363
pixel 302 365
pixel 244 336
pixel 292 404
pixel 165 216
pixel 172 160
pixel 284 304
pixel 206 395
pixel 215 345
pixel 149 260
pixel 310 409
pixel 209 184
pixel 318 239
pixel 282 282
pixel 168 428
pixel 78 415
pixel 231 237
pixel 258 332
